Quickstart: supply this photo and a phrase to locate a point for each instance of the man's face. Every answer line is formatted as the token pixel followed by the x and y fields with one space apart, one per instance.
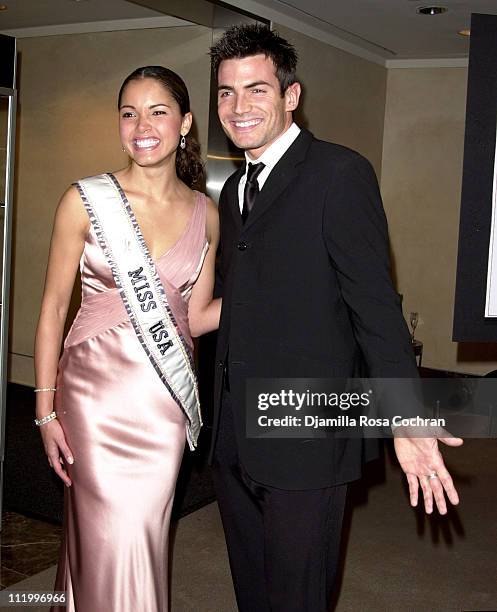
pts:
pixel 250 106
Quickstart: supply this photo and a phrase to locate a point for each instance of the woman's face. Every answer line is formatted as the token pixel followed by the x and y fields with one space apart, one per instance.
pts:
pixel 150 122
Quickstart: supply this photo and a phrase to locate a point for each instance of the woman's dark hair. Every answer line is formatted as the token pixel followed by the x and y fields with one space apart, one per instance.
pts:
pixel 189 165
pixel 245 40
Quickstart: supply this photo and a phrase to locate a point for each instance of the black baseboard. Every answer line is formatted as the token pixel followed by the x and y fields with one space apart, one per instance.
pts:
pixel 31 488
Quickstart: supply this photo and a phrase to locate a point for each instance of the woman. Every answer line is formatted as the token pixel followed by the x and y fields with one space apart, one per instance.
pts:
pixel 125 401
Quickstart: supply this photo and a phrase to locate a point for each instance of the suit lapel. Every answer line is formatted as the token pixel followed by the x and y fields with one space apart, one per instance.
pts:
pixel 231 188
pixel 280 177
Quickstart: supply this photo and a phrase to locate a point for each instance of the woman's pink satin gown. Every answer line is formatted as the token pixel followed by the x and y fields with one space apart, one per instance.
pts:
pixel 127 435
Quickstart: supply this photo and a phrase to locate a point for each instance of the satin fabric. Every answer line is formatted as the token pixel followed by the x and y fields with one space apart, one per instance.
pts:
pixel 127 436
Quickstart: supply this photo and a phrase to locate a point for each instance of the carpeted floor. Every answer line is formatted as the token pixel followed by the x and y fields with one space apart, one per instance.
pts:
pixel 396 559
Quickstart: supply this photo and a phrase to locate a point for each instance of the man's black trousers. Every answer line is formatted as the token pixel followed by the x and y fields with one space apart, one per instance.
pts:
pixel 283 545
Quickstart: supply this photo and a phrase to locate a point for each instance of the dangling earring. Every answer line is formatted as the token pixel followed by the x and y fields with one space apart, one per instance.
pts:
pixel 182 142
pixel 124 149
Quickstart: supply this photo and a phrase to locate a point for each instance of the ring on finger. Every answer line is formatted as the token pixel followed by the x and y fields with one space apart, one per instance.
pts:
pixel 432 475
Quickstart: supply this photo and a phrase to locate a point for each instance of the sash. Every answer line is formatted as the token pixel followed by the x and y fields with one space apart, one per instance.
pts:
pixel 142 292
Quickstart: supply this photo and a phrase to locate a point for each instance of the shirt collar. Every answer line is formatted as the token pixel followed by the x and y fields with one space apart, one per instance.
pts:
pixel 275 152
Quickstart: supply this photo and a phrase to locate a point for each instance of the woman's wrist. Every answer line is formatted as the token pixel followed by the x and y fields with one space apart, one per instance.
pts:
pixel 43 408
pixel 46 419
pixel 44 400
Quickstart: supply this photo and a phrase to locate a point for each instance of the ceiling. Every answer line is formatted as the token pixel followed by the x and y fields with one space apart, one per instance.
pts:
pixel 387 29
pixel 392 28
pixel 36 13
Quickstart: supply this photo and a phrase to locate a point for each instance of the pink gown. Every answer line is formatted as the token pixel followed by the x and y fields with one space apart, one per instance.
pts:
pixel 127 436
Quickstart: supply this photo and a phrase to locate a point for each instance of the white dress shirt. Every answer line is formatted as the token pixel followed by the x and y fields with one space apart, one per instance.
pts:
pixel 269 158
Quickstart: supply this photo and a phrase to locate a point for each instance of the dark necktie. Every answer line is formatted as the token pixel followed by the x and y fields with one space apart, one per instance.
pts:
pixel 251 188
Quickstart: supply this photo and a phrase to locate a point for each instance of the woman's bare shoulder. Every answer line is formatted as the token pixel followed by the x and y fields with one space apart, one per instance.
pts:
pixel 71 210
pixel 212 220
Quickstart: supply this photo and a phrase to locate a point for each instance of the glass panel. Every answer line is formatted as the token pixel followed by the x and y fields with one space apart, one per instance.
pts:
pixel 4 116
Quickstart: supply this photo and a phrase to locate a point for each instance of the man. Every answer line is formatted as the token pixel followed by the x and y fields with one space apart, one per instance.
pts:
pixel 304 275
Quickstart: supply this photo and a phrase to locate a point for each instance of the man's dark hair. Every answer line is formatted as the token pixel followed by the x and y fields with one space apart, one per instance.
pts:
pixel 246 40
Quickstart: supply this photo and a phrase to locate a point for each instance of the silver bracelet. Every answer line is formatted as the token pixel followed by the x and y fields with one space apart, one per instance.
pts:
pixel 39 389
pixel 46 419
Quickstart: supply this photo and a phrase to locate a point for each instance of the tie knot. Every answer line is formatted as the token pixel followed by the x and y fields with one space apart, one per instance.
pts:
pixel 253 171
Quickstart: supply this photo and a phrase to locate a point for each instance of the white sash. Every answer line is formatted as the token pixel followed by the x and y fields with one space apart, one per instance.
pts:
pixel 142 292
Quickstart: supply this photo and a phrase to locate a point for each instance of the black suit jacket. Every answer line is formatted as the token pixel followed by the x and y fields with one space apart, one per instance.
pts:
pixel 306 291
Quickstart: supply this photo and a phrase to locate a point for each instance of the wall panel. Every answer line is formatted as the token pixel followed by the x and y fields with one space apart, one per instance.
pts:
pixel 68 129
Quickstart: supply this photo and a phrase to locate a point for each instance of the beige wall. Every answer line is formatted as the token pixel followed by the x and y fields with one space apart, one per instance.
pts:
pixel 68 129
pixel 408 122
pixel 344 96
pixel 421 185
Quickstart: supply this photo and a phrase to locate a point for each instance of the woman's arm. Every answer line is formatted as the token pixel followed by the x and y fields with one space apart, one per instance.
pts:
pixel 203 311
pixel 68 237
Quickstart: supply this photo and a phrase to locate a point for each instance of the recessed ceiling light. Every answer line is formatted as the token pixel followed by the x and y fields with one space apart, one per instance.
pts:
pixel 466 32
pixel 431 10
pixel 3 7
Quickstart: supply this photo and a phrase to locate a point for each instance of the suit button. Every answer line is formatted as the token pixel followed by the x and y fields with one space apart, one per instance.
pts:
pixel 220 364
pixel 242 246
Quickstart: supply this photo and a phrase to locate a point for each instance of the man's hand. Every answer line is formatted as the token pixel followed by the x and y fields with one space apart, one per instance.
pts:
pixel 424 466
